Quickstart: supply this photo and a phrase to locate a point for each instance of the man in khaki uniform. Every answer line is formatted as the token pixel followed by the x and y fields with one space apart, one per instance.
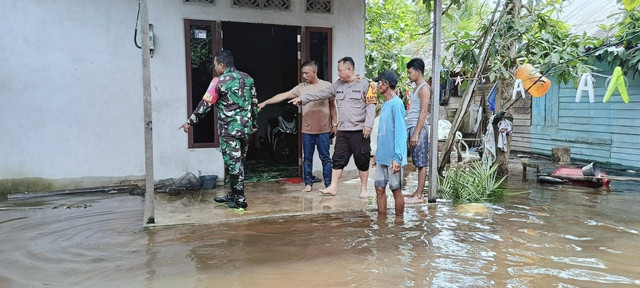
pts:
pixel 356 113
pixel 317 122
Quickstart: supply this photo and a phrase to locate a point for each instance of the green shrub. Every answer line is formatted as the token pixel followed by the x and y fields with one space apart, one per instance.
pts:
pixel 475 183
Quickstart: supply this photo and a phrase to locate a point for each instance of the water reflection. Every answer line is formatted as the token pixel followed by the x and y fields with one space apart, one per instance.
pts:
pixel 540 237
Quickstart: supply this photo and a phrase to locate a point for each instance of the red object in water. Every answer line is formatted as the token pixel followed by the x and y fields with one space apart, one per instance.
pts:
pixel 575 176
pixel 291 180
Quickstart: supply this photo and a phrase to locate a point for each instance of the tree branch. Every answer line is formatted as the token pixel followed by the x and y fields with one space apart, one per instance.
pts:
pixel 429 26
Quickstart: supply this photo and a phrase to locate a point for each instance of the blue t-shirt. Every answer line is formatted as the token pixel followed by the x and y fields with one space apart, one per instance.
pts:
pixel 392 133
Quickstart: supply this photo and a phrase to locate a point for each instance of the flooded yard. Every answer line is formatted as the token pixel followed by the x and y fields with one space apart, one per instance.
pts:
pixel 541 236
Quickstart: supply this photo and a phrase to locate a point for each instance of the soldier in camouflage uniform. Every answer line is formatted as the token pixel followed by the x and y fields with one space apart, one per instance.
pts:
pixel 234 94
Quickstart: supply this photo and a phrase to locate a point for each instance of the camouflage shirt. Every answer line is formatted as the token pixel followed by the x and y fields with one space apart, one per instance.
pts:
pixel 234 94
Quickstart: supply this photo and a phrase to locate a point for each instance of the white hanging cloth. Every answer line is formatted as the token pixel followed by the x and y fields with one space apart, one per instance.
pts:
pixel 478 120
pixel 504 128
pixel 489 145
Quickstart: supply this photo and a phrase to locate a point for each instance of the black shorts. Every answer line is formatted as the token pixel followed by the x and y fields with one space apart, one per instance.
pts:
pixel 351 143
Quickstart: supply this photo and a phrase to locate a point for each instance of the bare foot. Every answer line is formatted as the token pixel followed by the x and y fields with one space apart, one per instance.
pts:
pixel 412 200
pixel 329 191
pixel 306 188
pixel 414 194
pixel 364 194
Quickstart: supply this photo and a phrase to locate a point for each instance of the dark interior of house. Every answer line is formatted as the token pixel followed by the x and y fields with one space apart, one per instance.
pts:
pixel 269 53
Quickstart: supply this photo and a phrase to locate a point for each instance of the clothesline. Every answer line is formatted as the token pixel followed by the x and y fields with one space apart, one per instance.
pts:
pixel 601 75
pixel 616 80
pixel 469 78
pixel 573 58
pixel 620 81
pixel 459 79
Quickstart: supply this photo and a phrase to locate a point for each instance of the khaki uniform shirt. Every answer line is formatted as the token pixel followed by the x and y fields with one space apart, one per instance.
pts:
pixel 316 116
pixel 353 111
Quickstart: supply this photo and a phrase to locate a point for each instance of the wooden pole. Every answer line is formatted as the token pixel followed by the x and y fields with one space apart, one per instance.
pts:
pixel 149 217
pixel 435 86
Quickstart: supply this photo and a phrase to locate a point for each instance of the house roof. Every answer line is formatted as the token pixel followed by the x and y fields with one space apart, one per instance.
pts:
pixel 586 16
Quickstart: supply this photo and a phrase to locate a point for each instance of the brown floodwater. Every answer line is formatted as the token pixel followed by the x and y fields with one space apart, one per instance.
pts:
pixel 541 236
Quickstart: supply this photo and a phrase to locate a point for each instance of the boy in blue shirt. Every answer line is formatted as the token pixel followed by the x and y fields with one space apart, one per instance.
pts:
pixel 391 153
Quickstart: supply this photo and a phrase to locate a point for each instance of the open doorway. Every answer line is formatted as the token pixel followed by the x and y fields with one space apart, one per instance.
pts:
pixel 272 55
pixel 269 53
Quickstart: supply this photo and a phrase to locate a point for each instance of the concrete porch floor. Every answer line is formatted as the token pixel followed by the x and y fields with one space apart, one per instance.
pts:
pixel 265 200
pixel 275 199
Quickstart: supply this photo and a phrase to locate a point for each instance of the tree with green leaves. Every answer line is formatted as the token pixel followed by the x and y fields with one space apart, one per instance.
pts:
pixel 389 27
pixel 531 32
pixel 398 30
pixel 622 48
pixel 525 33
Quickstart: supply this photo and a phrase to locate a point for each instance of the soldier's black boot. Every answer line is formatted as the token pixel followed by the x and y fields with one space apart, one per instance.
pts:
pixel 238 202
pixel 223 199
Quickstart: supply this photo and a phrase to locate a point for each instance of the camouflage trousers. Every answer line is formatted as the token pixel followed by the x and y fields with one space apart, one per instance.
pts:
pixel 234 152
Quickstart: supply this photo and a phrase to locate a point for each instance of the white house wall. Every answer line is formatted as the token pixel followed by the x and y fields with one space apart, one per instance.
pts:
pixel 70 81
pixel 71 89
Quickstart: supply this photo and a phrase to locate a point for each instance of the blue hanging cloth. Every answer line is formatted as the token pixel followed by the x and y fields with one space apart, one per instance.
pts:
pixel 492 97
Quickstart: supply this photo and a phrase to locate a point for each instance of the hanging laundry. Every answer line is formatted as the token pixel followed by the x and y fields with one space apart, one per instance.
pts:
pixel 476 125
pixel 586 84
pixel 443 101
pixel 450 90
pixel 475 117
pixel 504 128
pixel 492 97
pixel 489 145
pixel 617 80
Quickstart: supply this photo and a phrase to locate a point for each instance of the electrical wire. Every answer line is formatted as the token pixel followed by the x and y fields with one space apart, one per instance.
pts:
pixel 565 62
pixel 135 30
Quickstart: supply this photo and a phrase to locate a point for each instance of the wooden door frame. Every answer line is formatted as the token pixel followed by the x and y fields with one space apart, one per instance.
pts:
pixel 217 46
pixel 301 51
pixel 304 54
pixel 305 51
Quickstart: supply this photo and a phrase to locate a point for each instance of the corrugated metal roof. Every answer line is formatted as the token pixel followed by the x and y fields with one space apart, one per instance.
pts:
pixel 587 15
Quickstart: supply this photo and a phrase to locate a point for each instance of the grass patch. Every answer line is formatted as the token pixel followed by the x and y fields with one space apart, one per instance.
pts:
pixel 35 184
pixel 475 183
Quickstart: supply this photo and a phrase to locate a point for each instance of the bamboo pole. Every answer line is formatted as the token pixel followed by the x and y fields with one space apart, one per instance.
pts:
pixel 149 217
pixel 435 86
